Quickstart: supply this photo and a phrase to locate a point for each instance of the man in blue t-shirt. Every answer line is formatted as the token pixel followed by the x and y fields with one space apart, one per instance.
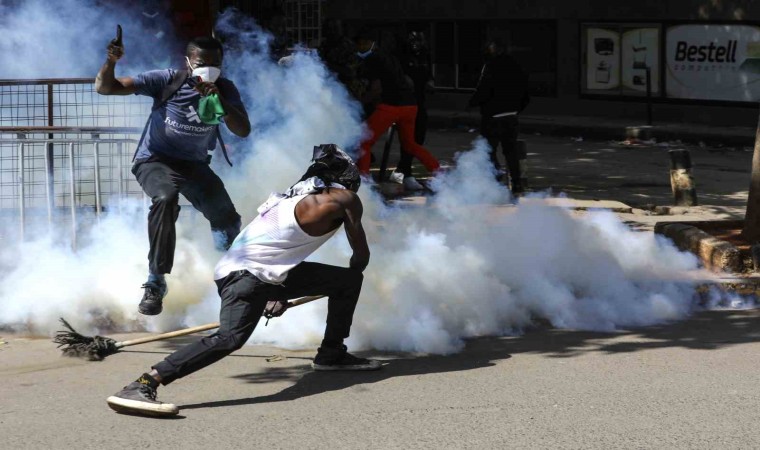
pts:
pixel 172 157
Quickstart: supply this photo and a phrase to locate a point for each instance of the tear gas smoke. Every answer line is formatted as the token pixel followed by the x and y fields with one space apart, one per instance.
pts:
pixel 67 38
pixel 464 265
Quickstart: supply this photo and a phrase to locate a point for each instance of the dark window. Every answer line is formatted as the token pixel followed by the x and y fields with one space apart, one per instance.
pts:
pixel 444 45
pixel 469 52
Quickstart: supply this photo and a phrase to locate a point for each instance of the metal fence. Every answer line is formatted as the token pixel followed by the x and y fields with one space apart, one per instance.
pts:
pixel 65 153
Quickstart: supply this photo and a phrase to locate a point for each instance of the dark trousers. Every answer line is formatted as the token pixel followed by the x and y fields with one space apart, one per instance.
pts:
pixel 504 131
pixel 420 131
pixel 163 180
pixel 244 298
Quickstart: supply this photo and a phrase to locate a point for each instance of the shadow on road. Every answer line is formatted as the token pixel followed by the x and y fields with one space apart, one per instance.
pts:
pixel 710 330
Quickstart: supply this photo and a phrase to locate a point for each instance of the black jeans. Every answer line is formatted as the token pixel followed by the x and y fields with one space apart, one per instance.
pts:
pixel 504 131
pixel 244 298
pixel 163 180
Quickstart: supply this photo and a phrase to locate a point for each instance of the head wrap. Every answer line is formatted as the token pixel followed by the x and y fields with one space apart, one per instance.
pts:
pixel 331 167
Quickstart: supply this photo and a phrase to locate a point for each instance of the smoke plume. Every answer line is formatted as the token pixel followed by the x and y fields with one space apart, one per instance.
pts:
pixel 468 263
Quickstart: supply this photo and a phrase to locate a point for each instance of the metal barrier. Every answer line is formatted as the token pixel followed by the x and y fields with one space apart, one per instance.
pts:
pixel 80 169
pixel 65 156
pixel 64 150
pixel 70 102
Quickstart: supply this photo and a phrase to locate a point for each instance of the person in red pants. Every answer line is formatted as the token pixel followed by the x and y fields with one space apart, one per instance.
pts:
pixel 393 94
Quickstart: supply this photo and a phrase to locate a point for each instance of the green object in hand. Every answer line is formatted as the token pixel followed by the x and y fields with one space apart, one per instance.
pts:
pixel 210 109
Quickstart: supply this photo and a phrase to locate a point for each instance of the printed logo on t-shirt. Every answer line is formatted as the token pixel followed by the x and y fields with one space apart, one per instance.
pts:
pixel 192 116
pixel 188 129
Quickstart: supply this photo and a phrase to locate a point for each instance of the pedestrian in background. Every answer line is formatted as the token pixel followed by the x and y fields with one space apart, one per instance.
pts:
pixel 393 93
pixel 417 65
pixel 502 94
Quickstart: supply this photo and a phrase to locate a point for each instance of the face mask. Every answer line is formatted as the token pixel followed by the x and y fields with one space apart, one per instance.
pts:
pixel 363 55
pixel 208 73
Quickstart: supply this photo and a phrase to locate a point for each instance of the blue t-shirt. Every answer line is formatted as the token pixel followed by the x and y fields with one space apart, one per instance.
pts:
pixel 174 128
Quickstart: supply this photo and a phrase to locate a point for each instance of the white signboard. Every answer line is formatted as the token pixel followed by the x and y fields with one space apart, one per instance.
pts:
pixel 713 62
pixel 602 59
pixel 617 58
pixel 641 50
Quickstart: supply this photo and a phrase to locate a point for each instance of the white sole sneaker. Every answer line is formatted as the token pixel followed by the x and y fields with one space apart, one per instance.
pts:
pixel 124 405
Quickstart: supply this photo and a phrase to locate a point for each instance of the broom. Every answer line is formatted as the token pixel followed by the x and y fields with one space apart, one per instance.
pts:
pixel 96 348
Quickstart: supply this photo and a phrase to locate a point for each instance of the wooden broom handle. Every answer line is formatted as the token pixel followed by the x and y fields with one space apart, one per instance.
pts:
pixel 199 328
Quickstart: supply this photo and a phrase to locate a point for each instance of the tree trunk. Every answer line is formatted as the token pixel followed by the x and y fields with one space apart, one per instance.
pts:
pixel 751 231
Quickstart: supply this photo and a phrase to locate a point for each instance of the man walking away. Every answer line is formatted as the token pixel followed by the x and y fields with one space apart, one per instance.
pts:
pixel 502 93
pixel 172 156
pixel 266 262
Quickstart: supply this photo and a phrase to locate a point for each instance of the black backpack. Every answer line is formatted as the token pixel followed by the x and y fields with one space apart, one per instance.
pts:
pixel 178 79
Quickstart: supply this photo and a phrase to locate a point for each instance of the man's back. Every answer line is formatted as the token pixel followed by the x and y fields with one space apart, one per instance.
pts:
pixel 397 88
pixel 321 213
pixel 503 86
pixel 287 233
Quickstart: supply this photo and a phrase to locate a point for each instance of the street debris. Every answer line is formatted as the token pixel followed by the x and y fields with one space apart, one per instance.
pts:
pixel 275 358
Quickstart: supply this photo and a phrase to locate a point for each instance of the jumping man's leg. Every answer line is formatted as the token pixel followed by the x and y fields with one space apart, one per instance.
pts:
pixel 161 183
pixel 205 190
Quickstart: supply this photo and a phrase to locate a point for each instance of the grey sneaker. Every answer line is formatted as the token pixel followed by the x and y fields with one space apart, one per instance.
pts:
pixel 138 398
pixel 152 301
pixel 339 359
pixel 396 177
pixel 411 184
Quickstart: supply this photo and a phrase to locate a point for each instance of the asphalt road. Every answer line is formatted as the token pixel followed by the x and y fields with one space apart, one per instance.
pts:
pixel 691 384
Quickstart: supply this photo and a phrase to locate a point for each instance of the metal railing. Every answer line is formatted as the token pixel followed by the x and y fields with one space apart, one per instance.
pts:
pixel 79 169
pixel 64 151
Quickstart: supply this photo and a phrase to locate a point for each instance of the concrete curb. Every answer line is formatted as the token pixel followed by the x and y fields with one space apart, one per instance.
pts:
pixel 715 254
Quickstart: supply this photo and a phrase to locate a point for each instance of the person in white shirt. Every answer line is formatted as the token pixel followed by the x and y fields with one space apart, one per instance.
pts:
pixel 266 263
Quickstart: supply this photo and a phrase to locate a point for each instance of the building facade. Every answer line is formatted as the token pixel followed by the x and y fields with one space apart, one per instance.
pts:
pixel 700 58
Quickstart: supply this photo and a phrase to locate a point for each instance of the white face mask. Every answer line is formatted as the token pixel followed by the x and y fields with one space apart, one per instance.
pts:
pixel 208 73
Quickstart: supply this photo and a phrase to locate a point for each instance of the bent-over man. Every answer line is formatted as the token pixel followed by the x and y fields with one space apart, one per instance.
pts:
pixel 266 262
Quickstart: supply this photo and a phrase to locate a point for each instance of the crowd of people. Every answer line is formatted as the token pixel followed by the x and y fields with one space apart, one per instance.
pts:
pixel 392 85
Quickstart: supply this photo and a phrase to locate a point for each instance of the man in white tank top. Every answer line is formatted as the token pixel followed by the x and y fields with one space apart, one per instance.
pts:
pixel 266 263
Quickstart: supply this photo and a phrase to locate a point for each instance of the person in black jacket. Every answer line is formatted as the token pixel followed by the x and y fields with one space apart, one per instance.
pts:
pixel 502 93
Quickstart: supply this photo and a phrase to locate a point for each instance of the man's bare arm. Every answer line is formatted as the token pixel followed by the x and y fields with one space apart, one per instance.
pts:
pixel 352 222
pixel 106 82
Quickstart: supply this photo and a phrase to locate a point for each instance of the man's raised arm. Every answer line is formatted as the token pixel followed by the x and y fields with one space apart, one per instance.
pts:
pixel 106 82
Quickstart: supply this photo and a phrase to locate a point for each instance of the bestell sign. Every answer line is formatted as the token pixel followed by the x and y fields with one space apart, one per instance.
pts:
pixel 709 53
pixel 713 62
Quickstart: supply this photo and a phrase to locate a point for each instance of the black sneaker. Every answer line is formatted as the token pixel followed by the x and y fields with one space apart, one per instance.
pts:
pixel 152 301
pixel 138 398
pixel 340 359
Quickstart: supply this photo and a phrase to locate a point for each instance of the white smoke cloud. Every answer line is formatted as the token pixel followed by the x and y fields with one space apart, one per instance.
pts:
pixel 68 38
pixel 466 264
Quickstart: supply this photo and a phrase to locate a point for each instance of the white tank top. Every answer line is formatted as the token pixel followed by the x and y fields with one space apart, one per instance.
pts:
pixel 271 245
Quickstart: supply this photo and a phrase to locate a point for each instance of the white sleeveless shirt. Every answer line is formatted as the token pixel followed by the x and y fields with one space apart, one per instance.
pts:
pixel 271 245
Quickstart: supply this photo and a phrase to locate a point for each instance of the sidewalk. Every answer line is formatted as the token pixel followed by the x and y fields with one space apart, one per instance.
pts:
pixel 605 129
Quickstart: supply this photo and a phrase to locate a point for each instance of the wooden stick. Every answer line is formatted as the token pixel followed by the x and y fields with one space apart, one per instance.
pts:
pixel 199 328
